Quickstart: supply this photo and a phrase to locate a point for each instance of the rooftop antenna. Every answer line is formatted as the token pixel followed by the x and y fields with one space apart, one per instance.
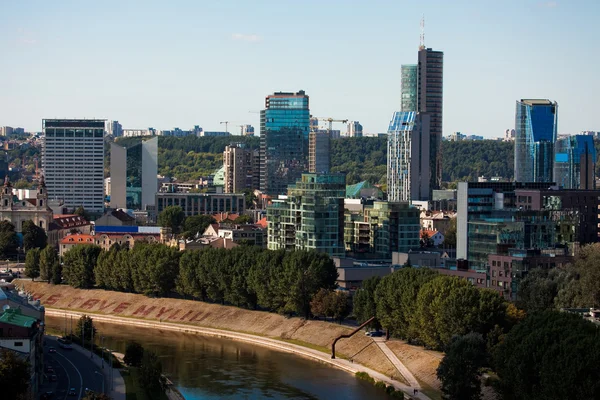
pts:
pixel 422 41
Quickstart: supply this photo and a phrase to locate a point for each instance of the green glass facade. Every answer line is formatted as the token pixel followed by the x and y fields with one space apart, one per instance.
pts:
pixel 382 228
pixel 311 218
pixel 409 77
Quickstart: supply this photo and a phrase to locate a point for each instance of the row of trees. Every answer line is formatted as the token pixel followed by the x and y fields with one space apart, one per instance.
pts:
pixel 173 217
pixel 421 306
pixel 250 277
pixel 43 264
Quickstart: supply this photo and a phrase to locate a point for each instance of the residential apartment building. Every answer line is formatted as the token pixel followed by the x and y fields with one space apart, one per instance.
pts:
pixel 355 129
pixel 536 130
pixel 378 229
pixel 284 130
pixel 238 162
pixel 310 217
pixel 408 158
pixel 202 203
pixel 73 162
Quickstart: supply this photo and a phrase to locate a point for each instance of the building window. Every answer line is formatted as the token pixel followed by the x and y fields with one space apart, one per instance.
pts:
pixel 18 344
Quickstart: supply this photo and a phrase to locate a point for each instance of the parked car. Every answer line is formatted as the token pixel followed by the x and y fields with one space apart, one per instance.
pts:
pixel 375 334
pixel 72 392
pixel 51 350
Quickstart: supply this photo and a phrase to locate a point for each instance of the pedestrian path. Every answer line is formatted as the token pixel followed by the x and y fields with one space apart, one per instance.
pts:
pixel 410 378
pixel 116 391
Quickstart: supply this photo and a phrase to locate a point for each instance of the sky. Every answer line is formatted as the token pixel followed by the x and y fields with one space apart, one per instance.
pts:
pixel 166 64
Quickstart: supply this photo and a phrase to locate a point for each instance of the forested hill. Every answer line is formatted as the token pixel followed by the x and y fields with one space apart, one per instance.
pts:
pixel 363 158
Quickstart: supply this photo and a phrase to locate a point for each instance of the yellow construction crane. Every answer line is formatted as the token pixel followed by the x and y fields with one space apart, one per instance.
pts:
pixel 330 120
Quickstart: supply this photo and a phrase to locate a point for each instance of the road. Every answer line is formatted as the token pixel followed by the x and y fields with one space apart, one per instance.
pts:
pixel 72 369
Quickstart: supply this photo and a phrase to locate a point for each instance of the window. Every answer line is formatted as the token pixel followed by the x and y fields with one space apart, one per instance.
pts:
pixel 18 344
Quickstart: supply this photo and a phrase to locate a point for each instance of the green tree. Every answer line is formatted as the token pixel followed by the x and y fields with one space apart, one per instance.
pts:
pixel 79 264
pixel 8 240
pixel 340 305
pixel 550 355
pixel 85 324
pixel 150 374
pixel 450 235
pixel 364 302
pixel 460 369
pixel 154 268
pixel 249 198
pixel 134 354
pixel 14 375
pixel 319 304
pixel 197 224
pixel 243 219
pixel 171 217
pixel 50 267
pixel 539 289
pixel 80 211
pixel 32 263
pixel 34 237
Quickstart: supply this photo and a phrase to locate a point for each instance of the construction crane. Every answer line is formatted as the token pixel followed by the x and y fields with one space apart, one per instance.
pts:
pixel 330 120
pixel 226 123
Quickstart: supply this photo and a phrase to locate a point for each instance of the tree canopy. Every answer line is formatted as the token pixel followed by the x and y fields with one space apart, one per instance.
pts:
pixel 14 375
pixel 171 217
pixel 85 324
pixel 365 303
pixel 34 237
pixel 9 242
pixel 32 263
pixel 79 263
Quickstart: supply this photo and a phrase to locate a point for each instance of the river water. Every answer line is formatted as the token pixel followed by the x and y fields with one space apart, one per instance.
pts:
pixel 209 368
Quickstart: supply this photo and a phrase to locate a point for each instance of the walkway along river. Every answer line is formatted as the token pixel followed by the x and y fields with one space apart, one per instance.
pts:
pixel 207 368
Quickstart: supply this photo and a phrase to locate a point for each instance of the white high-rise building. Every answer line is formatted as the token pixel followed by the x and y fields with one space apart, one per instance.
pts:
pixel 73 162
pixel 355 129
pixel 408 166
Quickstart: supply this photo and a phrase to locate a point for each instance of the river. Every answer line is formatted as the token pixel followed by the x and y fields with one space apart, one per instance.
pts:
pixel 209 368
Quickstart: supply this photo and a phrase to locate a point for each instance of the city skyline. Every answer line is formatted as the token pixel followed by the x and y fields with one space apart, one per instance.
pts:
pixel 186 64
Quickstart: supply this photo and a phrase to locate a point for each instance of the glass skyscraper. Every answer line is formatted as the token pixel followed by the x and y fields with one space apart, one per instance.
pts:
pixel 536 128
pixel 408 161
pixel 284 131
pixel 409 77
pixel 574 162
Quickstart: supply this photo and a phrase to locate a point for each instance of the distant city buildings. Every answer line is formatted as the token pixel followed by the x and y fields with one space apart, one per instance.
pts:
pixel 355 129
pixel 536 131
pixel 408 161
pixel 202 203
pixel 247 130
pixel 6 130
pixel 73 162
pixel 284 130
pixel 133 174
pixel 509 135
pixel 138 132
pixel 575 162
pixel 114 128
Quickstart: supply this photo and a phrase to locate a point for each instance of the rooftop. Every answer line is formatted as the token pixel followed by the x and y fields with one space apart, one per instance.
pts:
pixel 13 316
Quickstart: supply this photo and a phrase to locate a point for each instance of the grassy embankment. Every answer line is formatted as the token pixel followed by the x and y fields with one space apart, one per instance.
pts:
pixel 316 335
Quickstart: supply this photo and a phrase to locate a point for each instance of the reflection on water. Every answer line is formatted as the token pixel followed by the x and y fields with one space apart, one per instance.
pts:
pixel 206 368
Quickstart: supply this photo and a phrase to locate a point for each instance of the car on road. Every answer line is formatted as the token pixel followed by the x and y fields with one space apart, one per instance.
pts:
pixel 72 392
pixel 51 350
pixel 48 395
pixel 49 370
pixel 375 334
pixel 53 378
pixel 65 346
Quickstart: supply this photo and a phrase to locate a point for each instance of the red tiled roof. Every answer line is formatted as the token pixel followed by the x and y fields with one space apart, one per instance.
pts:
pixel 220 217
pixel 262 223
pixel 78 238
pixel 429 232
pixel 67 221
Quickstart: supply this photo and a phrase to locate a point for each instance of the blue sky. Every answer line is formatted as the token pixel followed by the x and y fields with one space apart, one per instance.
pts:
pixel 182 63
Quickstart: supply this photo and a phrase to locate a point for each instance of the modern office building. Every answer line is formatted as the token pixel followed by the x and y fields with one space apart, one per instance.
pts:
pixel 408 161
pixel 430 99
pixel 319 152
pixel 380 228
pixel 247 130
pixel 409 79
pixel 202 203
pixel 73 162
pixel 536 127
pixel 284 130
pixel 6 130
pixel 355 129
pixel 575 162
pixel 238 162
pixel 134 185
pixel 311 217
pixel 114 128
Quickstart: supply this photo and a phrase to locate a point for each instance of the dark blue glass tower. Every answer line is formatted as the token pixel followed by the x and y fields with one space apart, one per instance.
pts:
pixel 535 125
pixel 284 130
pixel 574 162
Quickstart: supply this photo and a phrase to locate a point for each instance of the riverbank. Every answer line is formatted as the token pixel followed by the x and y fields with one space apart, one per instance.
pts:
pixel 305 338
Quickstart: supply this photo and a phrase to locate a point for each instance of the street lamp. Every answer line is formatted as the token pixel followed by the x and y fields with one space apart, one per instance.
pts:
pixel 102 375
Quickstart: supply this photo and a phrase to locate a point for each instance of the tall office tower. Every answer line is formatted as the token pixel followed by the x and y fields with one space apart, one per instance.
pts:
pixel 237 161
pixel 574 162
pixel 73 162
pixel 430 99
pixel 312 216
pixel 133 175
pixel 408 161
pixel 355 129
pixel 114 128
pixel 284 129
pixel 535 126
pixel 409 74
pixel 318 152
pixel 247 130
